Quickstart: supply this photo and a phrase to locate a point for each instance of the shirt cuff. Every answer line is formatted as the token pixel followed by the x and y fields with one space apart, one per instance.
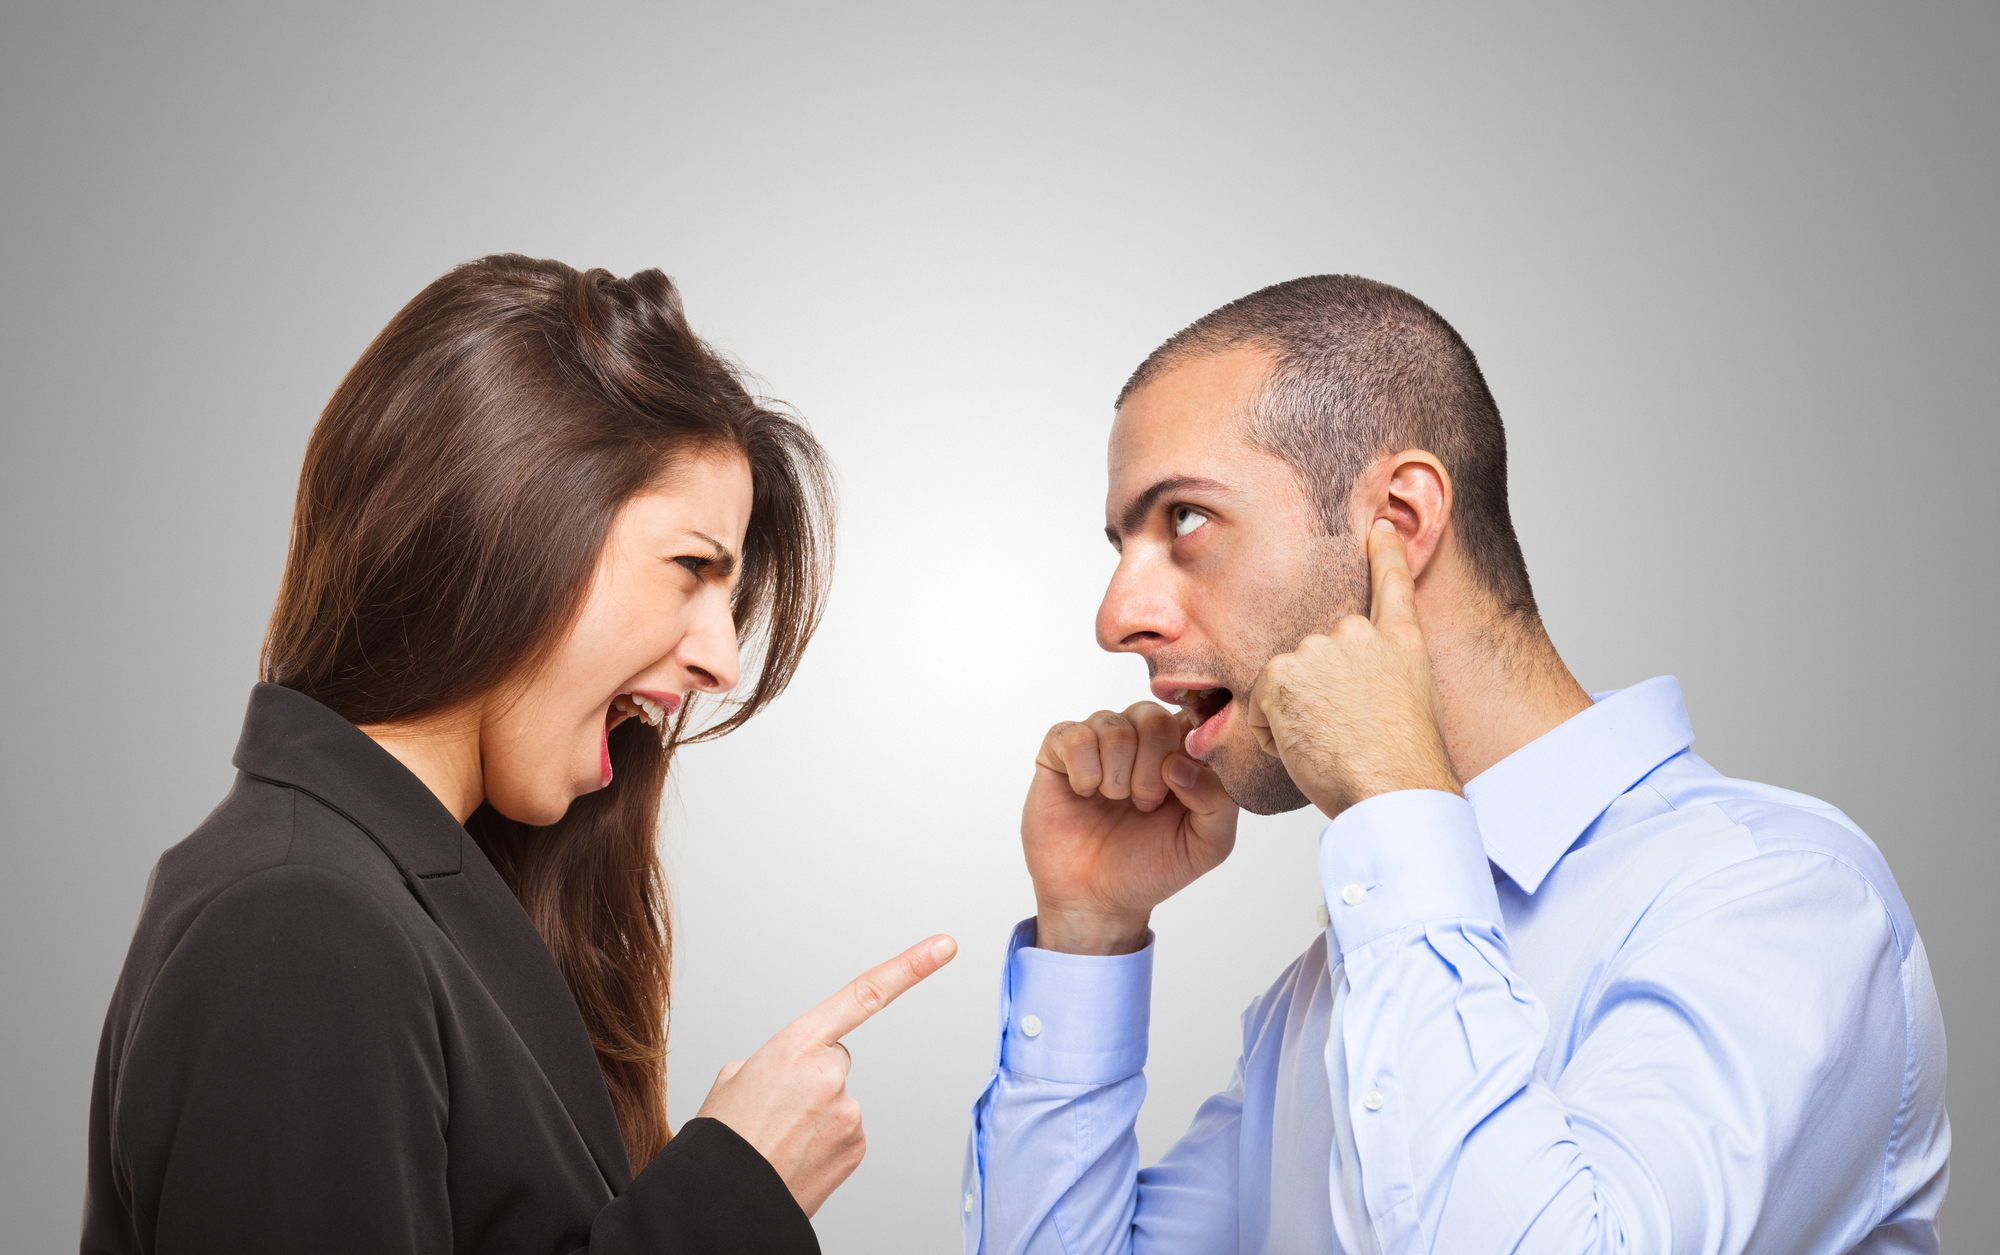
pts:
pixel 1404 858
pixel 1078 1019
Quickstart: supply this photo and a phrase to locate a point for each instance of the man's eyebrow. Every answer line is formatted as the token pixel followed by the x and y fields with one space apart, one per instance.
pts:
pixel 1142 505
pixel 725 561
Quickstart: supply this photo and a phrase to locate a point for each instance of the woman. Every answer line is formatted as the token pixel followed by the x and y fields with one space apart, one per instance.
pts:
pixel 406 988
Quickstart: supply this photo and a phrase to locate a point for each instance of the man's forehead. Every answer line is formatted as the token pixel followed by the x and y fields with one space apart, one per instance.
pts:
pixel 1202 397
pixel 1187 422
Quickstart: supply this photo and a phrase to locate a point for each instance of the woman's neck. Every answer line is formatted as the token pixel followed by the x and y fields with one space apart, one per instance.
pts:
pixel 442 751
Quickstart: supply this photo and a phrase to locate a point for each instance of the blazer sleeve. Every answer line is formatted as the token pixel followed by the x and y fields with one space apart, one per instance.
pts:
pixel 709 1190
pixel 284 1087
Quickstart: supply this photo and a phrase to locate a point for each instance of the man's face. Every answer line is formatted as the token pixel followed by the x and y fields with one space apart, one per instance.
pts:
pixel 1222 562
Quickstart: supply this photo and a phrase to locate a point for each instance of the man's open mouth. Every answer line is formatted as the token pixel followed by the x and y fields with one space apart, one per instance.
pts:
pixel 1203 704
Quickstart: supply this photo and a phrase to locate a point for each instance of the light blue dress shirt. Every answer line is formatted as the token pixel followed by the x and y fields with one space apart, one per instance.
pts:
pixel 1610 1000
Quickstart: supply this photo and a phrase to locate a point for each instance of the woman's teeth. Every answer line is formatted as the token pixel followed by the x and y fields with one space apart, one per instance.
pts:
pixel 646 710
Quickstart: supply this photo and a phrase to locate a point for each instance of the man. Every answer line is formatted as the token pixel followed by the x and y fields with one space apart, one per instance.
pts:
pixel 1578 991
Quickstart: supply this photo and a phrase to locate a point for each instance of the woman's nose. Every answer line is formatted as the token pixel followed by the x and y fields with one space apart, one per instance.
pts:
pixel 709 653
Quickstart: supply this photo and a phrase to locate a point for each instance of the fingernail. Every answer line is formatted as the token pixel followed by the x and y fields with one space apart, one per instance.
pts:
pixel 1181 771
pixel 1384 525
pixel 943 948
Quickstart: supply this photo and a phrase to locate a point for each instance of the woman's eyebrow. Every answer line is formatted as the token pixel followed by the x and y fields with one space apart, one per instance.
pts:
pixel 725 561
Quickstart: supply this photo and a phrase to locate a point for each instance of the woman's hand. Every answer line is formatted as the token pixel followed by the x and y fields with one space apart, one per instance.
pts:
pixel 790 1099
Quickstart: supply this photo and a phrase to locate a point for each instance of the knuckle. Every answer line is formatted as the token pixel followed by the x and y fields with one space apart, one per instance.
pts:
pixel 870 995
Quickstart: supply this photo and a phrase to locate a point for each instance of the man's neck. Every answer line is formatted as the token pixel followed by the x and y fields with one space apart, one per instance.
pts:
pixel 1499 678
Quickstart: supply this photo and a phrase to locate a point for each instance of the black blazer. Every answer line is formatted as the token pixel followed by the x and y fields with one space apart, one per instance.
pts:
pixel 337 1030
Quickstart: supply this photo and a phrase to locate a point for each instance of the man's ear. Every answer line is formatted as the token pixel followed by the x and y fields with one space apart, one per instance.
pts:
pixel 1413 491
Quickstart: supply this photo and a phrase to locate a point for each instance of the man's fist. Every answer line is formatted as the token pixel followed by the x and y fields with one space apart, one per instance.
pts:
pixel 1118 820
pixel 1354 713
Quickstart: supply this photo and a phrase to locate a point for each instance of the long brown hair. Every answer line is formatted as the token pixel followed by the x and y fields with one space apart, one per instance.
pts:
pixel 454 498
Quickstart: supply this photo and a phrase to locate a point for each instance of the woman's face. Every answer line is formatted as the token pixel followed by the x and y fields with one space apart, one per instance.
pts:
pixel 656 626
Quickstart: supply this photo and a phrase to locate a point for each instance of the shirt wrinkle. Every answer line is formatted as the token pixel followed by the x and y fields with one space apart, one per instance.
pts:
pixel 1596 1058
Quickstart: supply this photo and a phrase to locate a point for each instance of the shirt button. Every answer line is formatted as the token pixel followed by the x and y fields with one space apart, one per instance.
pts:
pixel 968 1204
pixel 1031 1026
pixel 1320 916
pixel 1353 894
pixel 1373 1100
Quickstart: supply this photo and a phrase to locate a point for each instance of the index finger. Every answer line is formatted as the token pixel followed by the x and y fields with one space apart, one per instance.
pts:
pixel 874 989
pixel 1393 592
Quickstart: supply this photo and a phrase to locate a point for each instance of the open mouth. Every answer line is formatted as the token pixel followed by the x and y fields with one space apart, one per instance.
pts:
pixel 1203 704
pixel 1205 708
pixel 647 710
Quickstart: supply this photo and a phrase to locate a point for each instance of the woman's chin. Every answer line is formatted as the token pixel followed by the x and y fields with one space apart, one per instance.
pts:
pixel 538 808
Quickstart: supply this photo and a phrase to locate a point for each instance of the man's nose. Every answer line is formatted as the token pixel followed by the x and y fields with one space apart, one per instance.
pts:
pixel 1138 613
pixel 708 652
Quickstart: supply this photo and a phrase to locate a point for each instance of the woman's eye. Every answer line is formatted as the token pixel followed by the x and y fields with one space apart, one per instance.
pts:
pixel 1186 519
pixel 695 565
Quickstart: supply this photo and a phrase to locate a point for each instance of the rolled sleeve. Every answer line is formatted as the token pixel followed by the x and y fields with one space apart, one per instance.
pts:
pixel 1404 858
pixel 1076 1018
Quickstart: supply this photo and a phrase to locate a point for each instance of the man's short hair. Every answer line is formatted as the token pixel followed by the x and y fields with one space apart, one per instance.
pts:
pixel 1359 370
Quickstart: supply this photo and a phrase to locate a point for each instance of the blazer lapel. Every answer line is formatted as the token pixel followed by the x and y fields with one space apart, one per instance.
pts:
pixel 291 739
pixel 485 921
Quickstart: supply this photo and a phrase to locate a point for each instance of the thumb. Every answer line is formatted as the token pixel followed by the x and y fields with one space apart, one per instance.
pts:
pixel 1198 788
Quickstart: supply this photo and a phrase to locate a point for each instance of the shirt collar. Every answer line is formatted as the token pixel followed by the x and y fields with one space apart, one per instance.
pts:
pixel 1533 804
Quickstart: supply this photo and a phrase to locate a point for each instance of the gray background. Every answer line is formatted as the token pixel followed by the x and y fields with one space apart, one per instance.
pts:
pixel 1729 270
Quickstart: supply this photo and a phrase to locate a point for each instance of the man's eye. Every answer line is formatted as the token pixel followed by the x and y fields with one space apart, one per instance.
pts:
pixel 1186 519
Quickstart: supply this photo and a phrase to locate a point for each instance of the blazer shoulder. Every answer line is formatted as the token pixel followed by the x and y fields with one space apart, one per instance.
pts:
pixel 258 827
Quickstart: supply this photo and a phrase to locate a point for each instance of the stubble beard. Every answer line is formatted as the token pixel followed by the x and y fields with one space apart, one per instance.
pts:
pixel 1254 780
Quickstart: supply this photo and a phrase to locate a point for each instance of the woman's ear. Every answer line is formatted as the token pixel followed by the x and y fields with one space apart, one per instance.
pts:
pixel 1415 495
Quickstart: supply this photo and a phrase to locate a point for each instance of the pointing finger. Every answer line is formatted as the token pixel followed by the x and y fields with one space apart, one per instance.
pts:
pixel 874 989
pixel 1394 590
